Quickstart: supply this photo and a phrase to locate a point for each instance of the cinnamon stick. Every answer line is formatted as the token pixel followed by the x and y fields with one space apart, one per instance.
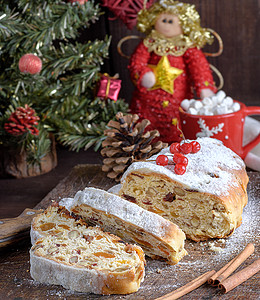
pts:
pixel 197 282
pixel 212 279
pixel 236 263
pixel 239 277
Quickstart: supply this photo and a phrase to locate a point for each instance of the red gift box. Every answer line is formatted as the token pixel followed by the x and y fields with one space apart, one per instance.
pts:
pixel 109 87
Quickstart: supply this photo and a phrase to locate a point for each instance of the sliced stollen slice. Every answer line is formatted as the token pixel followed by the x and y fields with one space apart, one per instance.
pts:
pixel 158 237
pixel 83 258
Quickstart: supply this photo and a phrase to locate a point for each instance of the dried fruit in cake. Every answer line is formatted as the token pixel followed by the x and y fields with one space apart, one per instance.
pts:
pixel 158 237
pixel 207 201
pixel 83 258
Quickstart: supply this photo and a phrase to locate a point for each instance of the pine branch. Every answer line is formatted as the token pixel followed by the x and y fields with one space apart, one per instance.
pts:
pixel 10 24
pixel 37 147
pixel 55 20
pixel 83 133
pixel 84 137
pixel 79 57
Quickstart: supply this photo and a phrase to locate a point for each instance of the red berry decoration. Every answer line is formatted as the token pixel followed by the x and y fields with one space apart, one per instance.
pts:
pixel 195 146
pixel 21 121
pixel 186 148
pixel 180 169
pixel 30 63
pixel 162 160
pixel 175 147
pixel 179 158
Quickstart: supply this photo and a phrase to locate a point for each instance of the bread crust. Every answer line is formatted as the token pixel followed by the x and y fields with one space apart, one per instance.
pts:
pixel 158 237
pixel 48 271
pixel 215 185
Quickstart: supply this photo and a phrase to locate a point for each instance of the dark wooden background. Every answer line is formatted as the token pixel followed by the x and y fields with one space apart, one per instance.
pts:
pixel 238 24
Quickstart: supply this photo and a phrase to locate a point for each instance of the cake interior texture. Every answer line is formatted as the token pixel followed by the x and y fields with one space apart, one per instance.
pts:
pixel 206 202
pixel 82 258
pixel 158 237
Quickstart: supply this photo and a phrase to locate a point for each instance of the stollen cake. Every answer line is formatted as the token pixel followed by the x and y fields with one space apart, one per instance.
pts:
pixel 205 202
pixel 158 237
pixel 83 258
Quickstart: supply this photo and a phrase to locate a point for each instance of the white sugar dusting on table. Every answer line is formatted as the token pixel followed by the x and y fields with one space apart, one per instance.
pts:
pixel 214 254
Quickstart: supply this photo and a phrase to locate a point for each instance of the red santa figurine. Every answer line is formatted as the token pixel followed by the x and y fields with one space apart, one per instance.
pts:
pixel 168 65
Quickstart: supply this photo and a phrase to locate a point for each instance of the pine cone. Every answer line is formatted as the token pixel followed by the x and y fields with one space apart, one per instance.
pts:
pixel 21 121
pixel 127 142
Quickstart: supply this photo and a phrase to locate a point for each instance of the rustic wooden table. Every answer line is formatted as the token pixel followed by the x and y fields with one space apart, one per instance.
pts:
pixel 161 278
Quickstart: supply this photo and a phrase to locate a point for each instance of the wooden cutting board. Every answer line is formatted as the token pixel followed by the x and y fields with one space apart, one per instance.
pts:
pixel 161 278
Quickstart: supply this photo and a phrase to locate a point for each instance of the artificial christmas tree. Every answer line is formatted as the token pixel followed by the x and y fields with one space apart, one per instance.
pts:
pixel 45 65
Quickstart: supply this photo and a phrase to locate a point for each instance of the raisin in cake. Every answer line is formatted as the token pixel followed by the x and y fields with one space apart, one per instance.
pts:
pixel 82 258
pixel 158 237
pixel 205 202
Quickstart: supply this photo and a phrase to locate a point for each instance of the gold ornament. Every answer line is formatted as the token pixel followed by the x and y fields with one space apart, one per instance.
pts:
pixel 165 75
pixel 160 45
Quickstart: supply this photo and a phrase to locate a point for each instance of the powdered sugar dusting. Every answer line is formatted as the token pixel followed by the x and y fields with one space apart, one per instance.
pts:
pixel 209 170
pixel 123 209
pixel 213 254
pixel 67 203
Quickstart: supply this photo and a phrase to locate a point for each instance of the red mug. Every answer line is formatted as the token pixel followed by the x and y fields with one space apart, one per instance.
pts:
pixel 229 128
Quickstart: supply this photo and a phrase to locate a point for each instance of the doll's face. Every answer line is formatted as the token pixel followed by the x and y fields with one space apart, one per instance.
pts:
pixel 168 25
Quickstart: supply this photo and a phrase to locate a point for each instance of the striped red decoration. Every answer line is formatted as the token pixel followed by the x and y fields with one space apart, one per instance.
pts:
pixel 126 10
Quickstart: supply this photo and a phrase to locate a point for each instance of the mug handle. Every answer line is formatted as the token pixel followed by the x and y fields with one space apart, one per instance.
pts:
pixel 251 110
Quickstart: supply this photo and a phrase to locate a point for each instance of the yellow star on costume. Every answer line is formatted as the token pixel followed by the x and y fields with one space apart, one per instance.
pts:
pixel 165 75
pixel 175 121
pixel 165 103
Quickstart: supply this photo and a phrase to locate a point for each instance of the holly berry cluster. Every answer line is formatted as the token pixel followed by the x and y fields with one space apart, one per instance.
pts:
pixel 178 158
pixel 22 120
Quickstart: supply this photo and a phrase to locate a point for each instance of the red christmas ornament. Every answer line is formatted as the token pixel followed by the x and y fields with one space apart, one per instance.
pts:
pixel 21 121
pixel 30 63
pixel 126 10
pixel 81 2
pixel 109 87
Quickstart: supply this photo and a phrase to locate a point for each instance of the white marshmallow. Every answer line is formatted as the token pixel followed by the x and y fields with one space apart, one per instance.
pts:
pixel 218 104
pixel 196 104
pixel 207 101
pixel 220 110
pixel 205 111
pixel 185 104
pixel 210 113
pixel 228 101
pixel 192 111
pixel 235 106
pixel 214 100
pixel 221 95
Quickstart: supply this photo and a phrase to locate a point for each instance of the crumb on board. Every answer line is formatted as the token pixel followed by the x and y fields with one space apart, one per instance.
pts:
pixel 214 248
